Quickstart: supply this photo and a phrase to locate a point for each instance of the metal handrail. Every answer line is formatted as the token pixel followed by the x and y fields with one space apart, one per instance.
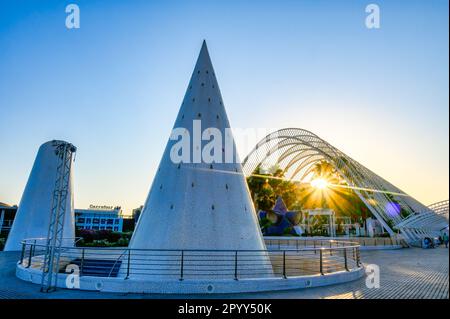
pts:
pixel 327 256
pixel 76 239
pixel 364 241
pixel 203 250
pixel 115 263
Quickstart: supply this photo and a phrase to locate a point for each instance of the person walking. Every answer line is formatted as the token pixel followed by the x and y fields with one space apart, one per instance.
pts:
pixel 445 237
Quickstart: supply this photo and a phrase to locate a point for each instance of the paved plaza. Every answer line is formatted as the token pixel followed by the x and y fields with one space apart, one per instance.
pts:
pixel 404 274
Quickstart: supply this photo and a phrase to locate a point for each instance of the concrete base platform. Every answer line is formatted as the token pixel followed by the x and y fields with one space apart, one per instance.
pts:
pixel 190 286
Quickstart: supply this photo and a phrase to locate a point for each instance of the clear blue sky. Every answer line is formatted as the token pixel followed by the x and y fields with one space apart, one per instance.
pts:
pixel 114 86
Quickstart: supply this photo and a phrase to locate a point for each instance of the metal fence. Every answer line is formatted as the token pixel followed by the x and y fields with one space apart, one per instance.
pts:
pixel 321 257
pixel 298 242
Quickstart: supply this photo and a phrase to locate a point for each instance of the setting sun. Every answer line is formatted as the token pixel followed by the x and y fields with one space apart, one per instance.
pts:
pixel 319 183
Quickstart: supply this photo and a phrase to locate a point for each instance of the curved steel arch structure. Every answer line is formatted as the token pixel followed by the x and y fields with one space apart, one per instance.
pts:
pixel 431 221
pixel 440 208
pixel 296 151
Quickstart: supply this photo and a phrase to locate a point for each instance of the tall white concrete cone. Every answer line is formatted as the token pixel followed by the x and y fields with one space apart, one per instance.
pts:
pixel 203 205
pixel 33 216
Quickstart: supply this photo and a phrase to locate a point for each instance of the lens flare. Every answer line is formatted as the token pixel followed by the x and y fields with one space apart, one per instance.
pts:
pixel 319 183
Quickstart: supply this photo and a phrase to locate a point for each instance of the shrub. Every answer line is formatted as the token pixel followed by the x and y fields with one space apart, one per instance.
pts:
pixel 127 235
pixel 101 243
pixel 102 238
pixel 123 242
pixel 384 235
pixel 88 235
pixel 287 231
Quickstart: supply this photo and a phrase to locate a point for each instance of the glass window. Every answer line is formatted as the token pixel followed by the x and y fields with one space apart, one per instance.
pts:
pixel 110 221
pixel 80 220
pixel 96 221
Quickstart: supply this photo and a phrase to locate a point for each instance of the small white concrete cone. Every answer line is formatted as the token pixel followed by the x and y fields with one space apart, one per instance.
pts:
pixel 33 215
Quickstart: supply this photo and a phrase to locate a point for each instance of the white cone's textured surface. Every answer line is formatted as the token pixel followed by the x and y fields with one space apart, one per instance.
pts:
pixel 33 216
pixel 199 205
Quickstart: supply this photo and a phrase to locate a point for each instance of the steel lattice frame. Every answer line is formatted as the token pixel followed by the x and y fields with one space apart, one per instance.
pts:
pixel 50 267
pixel 296 151
pixel 429 222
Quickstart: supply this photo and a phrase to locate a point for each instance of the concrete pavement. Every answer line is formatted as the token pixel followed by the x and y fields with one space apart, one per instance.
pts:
pixel 404 274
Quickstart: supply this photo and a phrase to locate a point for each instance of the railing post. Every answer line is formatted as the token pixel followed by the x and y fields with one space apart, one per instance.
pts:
pixel 345 259
pixel 331 253
pixel 30 255
pixel 284 264
pixel 357 258
pixel 22 254
pixel 182 265
pixel 128 264
pixel 34 248
pixel 314 243
pixel 82 262
pixel 321 261
pixel 235 265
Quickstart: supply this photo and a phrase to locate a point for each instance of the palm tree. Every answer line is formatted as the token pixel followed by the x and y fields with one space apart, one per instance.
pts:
pixel 324 170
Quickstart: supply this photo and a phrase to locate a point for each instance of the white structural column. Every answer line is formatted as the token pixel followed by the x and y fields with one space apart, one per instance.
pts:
pixel 199 205
pixel 33 216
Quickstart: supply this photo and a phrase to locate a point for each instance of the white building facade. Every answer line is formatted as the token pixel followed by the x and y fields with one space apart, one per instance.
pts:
pixel 99 218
